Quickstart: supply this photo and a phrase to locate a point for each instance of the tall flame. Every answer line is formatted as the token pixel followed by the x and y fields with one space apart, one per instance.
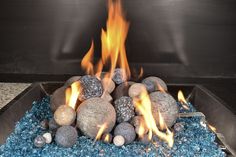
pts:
pixel 212 128
pixel 113 42
pixel 141 73
pixel 100 131
pixel 107 138
pixel 141 129
pixel 182 100
pixel 160 88
pixel 87 61
pixel 143 105
pixel 72 94
pixel 161 121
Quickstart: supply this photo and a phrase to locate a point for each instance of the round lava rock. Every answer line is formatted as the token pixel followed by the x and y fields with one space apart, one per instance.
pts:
pixel 66 136
pixel 91 87
pixel 108 85
pixel 65 115
pixel 153 83
pixel 48 137
pixel 93 113
pixel 44 124
pixel 126 130
pixel 39 141
pixel 58 98
pixel 119 76
pixel 71 80
pixel 167 106
pixel 53 124
pixel 124 109
pixel 136 89
pixel 119 140
pixel 122 90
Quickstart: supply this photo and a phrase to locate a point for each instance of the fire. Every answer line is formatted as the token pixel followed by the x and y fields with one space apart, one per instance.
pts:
pixel 161 121
pixel 100 131
pixel 143 104
pixel 212 128
pixel 160 88
pixel 107 138
pixel 87 62
pixel 72 94
pixel 113 43
pixel 141 73
pixel 141 130
pixel 182 100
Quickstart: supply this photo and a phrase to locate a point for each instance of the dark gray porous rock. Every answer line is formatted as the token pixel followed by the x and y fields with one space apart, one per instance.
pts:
pixel 127 131
pixel 152 83
pixel 124 109
pixel 91 87
pixel 66 136
pixel 167 106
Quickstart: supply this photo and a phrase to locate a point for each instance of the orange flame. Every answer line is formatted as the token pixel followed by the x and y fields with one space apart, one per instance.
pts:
pixel 160 88
pixel 182 100
pixel 87 62
pixel 141 129
pixel 113 42
pixel 100 131
pixel 212 128
pixel 68 94
pixel 141 73
pixel 72 94
pixel 107 138
pixel 161 121
pixel 143 105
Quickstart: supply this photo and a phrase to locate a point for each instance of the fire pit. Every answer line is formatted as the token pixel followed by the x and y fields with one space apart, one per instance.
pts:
pixel 84 145
pixel 110 112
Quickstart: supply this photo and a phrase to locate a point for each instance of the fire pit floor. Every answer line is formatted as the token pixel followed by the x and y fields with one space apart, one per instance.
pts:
pixel 193 140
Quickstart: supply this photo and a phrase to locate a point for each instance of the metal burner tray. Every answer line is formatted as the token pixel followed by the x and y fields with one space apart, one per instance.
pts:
pixel 216 112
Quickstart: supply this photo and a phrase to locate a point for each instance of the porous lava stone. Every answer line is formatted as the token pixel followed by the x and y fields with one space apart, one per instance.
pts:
pixel 66 136
pixel 91 87
pixel 108 85
pixel 136 89
pixel 64 115
pixel 122 90
pixel 152 83
pixel 53 125
pixel 119 76
pixel 118 140
pixel 167 106
pixel 44 124
pixel 58 98
pixel 39 141
pixel 124 109
pixel 93 113
pixel 127 131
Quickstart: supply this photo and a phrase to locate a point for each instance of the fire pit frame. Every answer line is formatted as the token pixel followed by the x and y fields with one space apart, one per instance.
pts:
pixel 216 112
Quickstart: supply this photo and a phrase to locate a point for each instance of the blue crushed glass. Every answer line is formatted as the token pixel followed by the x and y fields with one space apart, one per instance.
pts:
pixel 193 140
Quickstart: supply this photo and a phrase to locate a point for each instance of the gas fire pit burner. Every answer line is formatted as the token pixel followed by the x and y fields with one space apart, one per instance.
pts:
pixel 111 112
pixel 191 134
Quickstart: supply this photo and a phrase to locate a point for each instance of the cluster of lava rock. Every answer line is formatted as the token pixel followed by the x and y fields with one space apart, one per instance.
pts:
pixel 110 102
